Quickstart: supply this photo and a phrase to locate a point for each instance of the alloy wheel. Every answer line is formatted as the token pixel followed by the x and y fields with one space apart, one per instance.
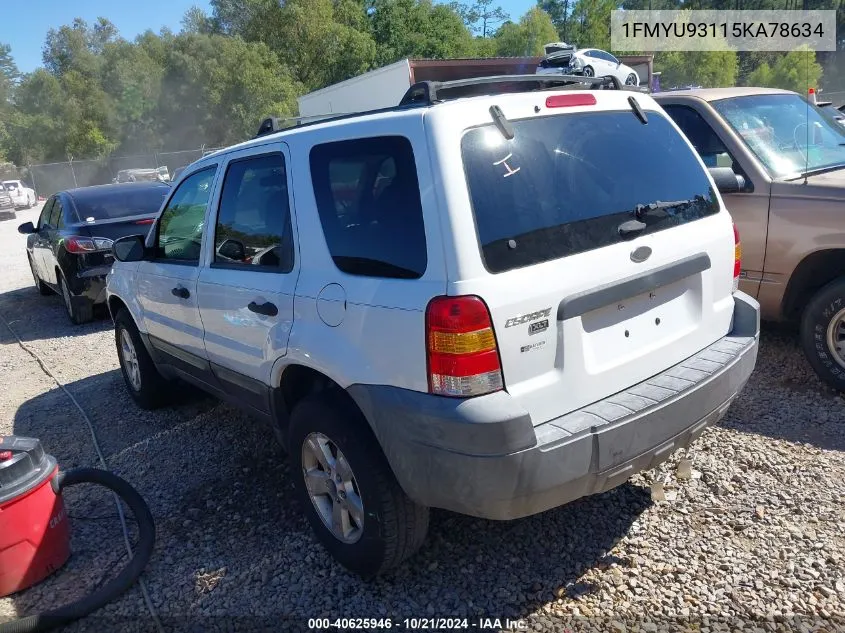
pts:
pixel 129 358
pixel 836 337
pixel 332 487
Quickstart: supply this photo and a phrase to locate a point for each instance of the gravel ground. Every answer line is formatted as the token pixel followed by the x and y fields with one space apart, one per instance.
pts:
pixel 752 536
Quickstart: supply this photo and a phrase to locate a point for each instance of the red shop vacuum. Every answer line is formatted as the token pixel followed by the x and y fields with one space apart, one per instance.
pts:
pixel 35 530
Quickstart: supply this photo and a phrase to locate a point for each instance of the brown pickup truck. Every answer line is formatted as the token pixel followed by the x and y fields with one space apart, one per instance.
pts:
pixel 790 210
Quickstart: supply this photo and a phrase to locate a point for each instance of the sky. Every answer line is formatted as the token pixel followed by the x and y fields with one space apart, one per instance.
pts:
pixel 25 28
pixel 33 18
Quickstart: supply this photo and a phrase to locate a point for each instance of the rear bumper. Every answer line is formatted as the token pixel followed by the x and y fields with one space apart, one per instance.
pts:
pixel 90 283
pixel 483 456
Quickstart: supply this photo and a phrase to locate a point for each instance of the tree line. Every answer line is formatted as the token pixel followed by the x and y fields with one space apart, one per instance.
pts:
pixel 213 81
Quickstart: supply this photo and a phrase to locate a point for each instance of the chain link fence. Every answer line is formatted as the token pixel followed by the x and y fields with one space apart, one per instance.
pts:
pixel 49 178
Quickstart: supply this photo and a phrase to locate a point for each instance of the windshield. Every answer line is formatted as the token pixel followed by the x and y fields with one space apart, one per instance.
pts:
pixel 115 204
pixel 788 135
pixel 564 184
pixel 11 186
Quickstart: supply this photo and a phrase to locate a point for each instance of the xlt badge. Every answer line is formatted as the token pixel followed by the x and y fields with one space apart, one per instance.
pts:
pixel 539 326
pixel 525 318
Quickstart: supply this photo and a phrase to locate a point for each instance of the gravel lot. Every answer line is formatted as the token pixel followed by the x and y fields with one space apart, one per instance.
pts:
pixel 754 538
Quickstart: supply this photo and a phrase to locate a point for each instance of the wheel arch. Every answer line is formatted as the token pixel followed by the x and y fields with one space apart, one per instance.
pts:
pixel 812 274
pixel 297 381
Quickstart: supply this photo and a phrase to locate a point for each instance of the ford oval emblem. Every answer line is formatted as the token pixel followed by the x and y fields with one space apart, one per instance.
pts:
pixel 640 254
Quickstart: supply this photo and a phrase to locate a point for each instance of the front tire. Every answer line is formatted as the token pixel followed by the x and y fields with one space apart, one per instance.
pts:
pixel 823 333
pixel 631 80
pixel 145 384
pixel 351 498
pixel 43 289
pixel 79 309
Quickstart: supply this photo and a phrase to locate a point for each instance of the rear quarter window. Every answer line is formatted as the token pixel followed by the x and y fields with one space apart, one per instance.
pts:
pixel 368 198
pixel 565 183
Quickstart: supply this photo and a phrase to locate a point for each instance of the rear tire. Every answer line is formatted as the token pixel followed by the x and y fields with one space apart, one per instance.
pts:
pixel 823 333
pixel 145 384
pixel 589 72
pixel 392 527
pixel 79 309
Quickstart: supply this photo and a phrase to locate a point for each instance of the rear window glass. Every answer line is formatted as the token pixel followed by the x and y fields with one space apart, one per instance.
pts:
pixel 368 198
pixel 120 203
pixel 564 184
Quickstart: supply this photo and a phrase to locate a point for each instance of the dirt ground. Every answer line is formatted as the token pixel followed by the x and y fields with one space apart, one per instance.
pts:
pixel 759 535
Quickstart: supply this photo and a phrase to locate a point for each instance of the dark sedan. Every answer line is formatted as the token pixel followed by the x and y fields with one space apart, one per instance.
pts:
pixel 69 249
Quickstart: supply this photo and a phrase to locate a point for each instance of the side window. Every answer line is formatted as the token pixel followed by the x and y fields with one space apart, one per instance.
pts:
pixel 181 226
pixel 44 218
pixel 253 224
pixel 368 199
pixel 57 215
pixel 705 141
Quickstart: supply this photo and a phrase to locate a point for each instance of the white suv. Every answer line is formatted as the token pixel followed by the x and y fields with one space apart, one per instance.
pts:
pixel 463 303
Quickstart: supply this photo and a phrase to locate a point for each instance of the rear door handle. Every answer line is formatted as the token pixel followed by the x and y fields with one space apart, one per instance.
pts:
pixel 267 309
pixel 181 292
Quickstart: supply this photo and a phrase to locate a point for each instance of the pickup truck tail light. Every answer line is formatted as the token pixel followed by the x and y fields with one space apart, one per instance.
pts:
pixel 737 258
pixel 463 357
pixel 80 245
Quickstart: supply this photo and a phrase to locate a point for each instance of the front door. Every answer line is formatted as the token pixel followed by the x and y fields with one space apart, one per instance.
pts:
pixel 749 208
pixel 246 290
pixel 39 241
pixel 167 284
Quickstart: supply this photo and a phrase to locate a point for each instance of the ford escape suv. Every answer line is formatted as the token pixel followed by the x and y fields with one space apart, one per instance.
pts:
pixel 494 303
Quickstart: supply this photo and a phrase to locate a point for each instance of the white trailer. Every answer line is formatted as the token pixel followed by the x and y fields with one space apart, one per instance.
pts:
pixel 385 87
pixel 381 88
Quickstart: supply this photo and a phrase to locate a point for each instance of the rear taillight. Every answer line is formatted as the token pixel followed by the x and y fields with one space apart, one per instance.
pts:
pixel 77 244
pixel 147 221
pixel 463 359
pixel 737 259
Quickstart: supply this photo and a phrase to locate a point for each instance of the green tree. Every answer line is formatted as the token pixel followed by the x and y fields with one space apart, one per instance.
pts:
pixel 710 69
pixel 417 28
pixel 559 11
pixel 317 43
pixel 480 17
pixel 589 23
pixel 196 20
pixel 132 80
pixel 9 77
pixel 797 70
pixel 527 37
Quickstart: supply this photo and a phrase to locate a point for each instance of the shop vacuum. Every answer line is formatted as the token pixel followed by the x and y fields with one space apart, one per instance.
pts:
pixel 35 530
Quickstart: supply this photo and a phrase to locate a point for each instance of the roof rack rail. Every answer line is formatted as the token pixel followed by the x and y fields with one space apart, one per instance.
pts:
pixel 430 92
pixel 274 124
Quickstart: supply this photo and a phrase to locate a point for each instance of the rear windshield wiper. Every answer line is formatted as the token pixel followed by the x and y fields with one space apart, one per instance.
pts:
pixel 658 209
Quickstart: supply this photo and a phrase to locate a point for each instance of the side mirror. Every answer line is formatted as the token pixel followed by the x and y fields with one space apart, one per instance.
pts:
pixel 233 250
pixel 726 180
pixel 26 228
pixel 129 249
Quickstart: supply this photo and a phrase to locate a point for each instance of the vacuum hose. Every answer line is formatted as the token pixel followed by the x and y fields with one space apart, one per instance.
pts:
pixel 123 581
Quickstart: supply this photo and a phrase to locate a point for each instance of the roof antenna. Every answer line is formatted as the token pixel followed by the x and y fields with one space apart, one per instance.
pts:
pixel 810 93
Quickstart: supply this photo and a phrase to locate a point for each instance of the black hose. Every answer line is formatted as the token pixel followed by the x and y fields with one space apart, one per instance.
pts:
pixel 124 580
